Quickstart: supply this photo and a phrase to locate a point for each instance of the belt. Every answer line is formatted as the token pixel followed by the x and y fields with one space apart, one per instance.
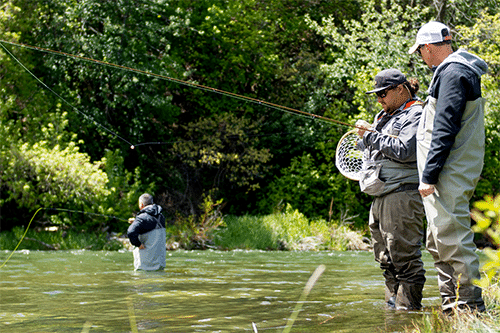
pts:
pixel 406 187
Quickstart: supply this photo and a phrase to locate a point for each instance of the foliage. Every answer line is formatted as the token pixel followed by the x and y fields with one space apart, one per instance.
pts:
pixel 288 230
pixel 222 148
pixel 40 159
pixel 355 51
pixel 316 56
pixel 124 190
pixel 486 214
pixel 465 322
pixel 359 49
pixel 235 46
pixel 196 232
pixel 458 12
pixel 42 176
pixel 38 176
pixel 317 190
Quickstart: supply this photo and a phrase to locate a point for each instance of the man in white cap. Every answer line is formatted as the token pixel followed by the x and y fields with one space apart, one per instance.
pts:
pixel 450 154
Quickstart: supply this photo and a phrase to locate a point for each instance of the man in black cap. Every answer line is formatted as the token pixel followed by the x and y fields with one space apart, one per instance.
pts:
pixel 390 175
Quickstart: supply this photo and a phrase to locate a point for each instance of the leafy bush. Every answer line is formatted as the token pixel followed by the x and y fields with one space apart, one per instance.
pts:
pixel 196 231
pixel 42 175
pixel 486 213
pixel 318 189
pixel 288 230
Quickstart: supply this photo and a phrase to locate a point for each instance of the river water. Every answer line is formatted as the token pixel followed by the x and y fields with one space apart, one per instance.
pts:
pixel 199 291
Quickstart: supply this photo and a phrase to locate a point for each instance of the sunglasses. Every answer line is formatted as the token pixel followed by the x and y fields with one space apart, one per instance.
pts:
pixel 418 50
pixel 383 93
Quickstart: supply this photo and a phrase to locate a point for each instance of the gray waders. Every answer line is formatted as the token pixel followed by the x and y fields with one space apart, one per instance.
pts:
pixel 449 236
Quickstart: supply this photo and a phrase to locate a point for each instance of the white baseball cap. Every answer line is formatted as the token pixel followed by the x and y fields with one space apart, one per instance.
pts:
pixel 430 33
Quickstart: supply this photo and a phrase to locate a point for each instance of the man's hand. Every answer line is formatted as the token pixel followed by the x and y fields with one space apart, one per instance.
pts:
pixel 426 189
pixel 362 126
pixel 131 220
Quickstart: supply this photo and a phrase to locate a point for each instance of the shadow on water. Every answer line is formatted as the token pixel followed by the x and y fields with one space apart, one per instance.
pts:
pixel 199 291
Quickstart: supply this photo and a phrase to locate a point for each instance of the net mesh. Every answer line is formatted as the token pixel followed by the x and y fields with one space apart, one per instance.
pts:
pixel 348 159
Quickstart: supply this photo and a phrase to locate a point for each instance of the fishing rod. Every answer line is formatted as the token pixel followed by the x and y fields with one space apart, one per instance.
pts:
pixel 52 210
pixel 182 82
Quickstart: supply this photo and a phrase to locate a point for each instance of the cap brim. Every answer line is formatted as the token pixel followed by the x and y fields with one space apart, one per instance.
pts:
pixel 378 89
pixel 413 48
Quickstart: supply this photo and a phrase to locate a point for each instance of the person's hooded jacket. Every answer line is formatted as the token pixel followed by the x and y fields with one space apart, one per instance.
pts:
pixel 456 81
pixel 147 219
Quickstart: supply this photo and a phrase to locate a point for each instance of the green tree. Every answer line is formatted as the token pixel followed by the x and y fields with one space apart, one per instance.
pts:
pixel 356 50
pixel 41 163
pixel 259 49
pixel 216 151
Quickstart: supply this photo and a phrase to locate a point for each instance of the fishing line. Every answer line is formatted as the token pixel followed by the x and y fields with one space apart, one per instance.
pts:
pixel 54 209
pixel 86 213
pixel 182 82
pixel 21 238
pixel 59 96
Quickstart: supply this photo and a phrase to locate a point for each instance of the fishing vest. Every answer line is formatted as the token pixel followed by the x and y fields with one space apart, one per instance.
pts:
pixel 381 175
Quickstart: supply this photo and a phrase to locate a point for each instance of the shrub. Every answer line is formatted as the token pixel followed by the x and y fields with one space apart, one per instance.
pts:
pixel 288 230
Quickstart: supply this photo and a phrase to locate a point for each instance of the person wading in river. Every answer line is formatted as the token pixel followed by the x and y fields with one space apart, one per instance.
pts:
pixel 450 149
pixel 147 233
pixel 390 175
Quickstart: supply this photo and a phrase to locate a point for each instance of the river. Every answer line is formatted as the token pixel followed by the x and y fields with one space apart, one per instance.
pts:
pixel 199 291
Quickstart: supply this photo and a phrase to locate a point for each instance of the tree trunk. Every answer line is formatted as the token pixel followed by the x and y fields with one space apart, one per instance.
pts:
pixel 441 10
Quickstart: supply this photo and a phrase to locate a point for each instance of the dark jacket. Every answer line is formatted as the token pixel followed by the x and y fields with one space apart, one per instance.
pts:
pixel 148 219
pixel 397 155
pixel 455 82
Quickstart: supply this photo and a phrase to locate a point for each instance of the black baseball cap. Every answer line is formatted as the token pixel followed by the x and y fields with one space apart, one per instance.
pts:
pixel 387 78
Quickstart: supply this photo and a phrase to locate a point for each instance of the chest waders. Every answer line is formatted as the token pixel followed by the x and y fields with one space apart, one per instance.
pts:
pixel 449 234
pixel 396 222
pixel 154 255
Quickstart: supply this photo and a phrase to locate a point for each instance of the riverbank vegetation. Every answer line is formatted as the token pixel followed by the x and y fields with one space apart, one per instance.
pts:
pixel 289 230
pixel 57 239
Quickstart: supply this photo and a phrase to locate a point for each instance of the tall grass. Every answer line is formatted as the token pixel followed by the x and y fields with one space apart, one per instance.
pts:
pixel 289 230
pixel 464 322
